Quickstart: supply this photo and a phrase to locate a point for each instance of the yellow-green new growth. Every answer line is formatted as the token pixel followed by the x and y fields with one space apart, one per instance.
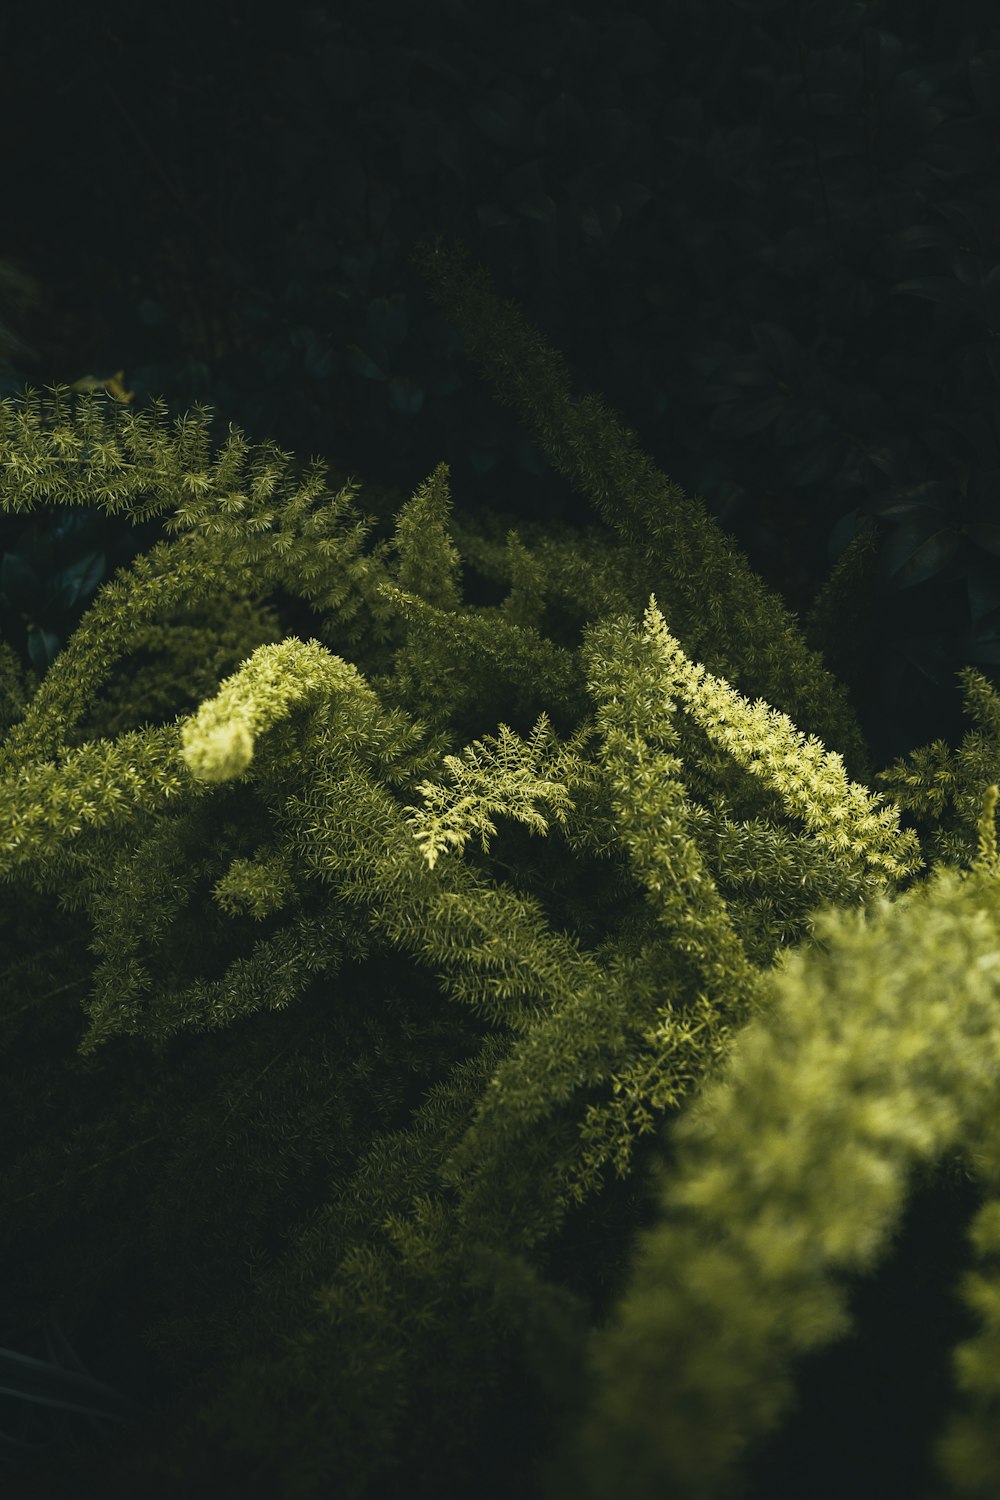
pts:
pixel 881 1052
pixel 219 753
pixel 506 780
pixel 810 779
pixel 218 741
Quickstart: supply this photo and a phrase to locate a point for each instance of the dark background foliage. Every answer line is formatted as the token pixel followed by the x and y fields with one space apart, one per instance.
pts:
pixel 765 231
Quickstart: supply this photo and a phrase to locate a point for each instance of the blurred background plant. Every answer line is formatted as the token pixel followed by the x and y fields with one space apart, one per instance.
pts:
pixel 51 1405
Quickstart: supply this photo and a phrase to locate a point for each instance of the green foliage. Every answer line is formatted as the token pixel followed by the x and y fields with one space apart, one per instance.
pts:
pixel 729 239
pixel 61 1383
pixel 879 1053
pixel 392 940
